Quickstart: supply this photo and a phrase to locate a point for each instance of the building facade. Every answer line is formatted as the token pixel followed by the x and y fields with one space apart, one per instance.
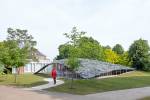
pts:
pixel 33 66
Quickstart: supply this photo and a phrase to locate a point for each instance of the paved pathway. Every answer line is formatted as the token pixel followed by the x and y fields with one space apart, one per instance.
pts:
pixel 50 84
pixel 128 94
pixel 13 93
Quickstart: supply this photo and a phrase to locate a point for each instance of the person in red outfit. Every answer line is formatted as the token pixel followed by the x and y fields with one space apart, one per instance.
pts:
pixel 54 74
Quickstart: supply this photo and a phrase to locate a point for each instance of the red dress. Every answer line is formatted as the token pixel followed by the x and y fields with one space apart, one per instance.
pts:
pixel 54 73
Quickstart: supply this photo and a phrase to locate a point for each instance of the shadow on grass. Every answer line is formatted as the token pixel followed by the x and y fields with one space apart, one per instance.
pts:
pixel 43 75
pixel 145 98
pixel 1 80
pixel 30 85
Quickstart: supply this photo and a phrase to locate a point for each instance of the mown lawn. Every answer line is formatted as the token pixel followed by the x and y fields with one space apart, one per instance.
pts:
pixel 83 87
pixel 135 73
pixel 146 98
pixel 24 80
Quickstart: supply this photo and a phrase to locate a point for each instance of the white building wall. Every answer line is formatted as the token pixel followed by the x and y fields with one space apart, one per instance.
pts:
pixel 13 70
pixel 34 66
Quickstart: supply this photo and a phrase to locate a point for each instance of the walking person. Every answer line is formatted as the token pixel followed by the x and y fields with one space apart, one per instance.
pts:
pixel 54 74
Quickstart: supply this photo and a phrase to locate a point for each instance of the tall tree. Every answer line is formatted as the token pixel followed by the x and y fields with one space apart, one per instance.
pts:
pixel 139 54
pixel 21 36
pixel 73 62
pixel 17 48
pixel 124 59
pixel 74 36
pixel 107 47
pixel 1 56
pixel 14 56
pixel 89 48
pixel 1 68
pixel 118 49
pixel 86 47
pixel 23 39
pixel 63 51
pixel 110 56
pixel 5 56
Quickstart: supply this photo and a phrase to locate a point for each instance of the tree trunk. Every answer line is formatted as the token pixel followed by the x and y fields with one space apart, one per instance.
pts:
pixel 71 86
pixel 16 75
pixel 15 78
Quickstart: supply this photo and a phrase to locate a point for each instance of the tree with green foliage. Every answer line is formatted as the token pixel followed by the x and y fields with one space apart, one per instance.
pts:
pixel 74 36
pixel 1 68
pixel 107 47
pixel 89 48
pixel 64 51
pixel 14 56
pixel 21 36
pixel 73 64
pixel 15 50
pixel 4 56
pixel 124 59
pixel 86 47
pixel 73 53
pixel 23 39
pixel 139 54
pixel 118 49
pixel 110 56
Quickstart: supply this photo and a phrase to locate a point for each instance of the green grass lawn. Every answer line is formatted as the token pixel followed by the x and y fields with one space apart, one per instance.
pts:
pixel 135 73
pixel 24 80
pixel 146 98
pixel 83 87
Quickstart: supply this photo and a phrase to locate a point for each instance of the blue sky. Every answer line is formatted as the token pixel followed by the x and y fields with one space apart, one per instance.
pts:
pixel 108 21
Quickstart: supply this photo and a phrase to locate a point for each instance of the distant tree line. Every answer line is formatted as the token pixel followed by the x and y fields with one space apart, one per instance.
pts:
pixel 81 46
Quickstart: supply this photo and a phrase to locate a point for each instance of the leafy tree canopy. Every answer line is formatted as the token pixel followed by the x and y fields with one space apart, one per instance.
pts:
pixel 118 49
pixel 21 36
pixel 89 48
pixel 74 35
pixel 111 56
pixel 24 40
pixel 107 47
pixel 139 54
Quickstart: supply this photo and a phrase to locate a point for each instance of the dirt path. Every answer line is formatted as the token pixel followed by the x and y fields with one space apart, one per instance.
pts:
pixel 128 94
pixel 12 93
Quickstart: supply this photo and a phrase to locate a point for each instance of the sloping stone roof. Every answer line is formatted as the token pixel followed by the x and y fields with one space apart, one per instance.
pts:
pixel 91 68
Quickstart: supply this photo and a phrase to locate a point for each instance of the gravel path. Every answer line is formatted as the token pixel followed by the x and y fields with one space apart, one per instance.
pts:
pixel 13 93
pixel 128 94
